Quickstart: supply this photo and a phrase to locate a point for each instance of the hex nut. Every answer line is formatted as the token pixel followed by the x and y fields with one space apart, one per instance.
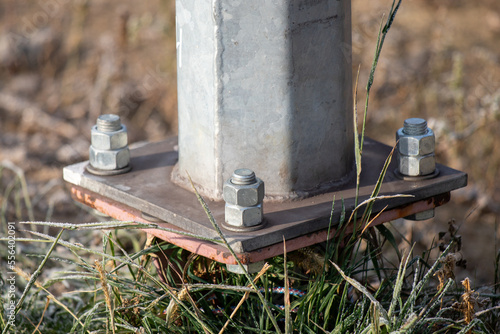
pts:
pixel 243 216
pixel 414 145
pixel 109 140
pixel 109 159
pixel 418 165
pixel 244 195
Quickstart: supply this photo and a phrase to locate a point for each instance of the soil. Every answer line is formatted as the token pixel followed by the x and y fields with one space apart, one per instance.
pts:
pixel 64 63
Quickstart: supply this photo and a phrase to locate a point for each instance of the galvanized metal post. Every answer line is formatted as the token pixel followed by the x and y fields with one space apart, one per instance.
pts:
pixel 265 85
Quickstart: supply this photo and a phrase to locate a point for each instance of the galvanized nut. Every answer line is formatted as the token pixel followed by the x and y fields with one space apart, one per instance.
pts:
pixel 109 159
pixel 415 138
pixel 109 150
pixel 415 149
pixel 241 216
pixel 243 194
pixel 111 136
pixel 416 166
pixel 243 190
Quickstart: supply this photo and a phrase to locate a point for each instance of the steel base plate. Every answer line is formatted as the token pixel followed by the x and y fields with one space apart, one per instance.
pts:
pixel 147 189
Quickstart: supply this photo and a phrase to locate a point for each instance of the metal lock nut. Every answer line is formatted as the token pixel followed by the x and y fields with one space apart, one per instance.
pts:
pixel 108 150
pixel 112 140
pixel 415 149
pixel 109 159
pixel 418 165
pixel 416 144
pixel 244 194
pixel 239 216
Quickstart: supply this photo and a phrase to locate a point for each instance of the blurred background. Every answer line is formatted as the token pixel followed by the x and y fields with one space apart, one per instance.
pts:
pixel 63 63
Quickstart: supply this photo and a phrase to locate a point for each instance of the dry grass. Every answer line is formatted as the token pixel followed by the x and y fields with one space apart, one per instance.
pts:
pixel 440 62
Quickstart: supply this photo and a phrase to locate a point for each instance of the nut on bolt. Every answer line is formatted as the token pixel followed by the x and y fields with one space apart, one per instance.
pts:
pixel 108 152
pixel 244 194
pixel 423 215
pixel 415 151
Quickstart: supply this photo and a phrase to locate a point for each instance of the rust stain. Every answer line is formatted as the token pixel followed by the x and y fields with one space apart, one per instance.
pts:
pixel 123 212
pixel 220 253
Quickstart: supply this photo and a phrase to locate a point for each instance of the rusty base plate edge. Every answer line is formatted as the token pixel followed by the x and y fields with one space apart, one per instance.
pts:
pixel 218 252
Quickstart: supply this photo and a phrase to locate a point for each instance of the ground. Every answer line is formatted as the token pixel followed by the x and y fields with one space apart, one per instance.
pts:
pixel 62 63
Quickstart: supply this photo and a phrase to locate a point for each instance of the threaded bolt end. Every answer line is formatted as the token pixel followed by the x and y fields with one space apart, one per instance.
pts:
pixel 109 123
pixel 243 176
pixel 415 126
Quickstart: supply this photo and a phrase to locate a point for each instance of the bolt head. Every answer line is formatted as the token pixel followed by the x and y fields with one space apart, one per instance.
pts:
pixel 417 165
pixel 238 216
pixel 414 145
pixel 109 140
pixel 109 159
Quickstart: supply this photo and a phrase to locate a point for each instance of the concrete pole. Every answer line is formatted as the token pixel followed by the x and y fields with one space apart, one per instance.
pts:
pixel 265 85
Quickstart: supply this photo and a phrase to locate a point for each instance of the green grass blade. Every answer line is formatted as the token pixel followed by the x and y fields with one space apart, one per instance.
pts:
pixel 163 286
pixel 364 291
pixel 33 278
pixel 388 236
pixel 396 296
pixel 378 186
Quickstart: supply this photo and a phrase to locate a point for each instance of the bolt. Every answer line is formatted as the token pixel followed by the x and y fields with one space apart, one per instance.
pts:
pixel 415 153
pixel 415 126
pixel 251 268
pixel 423 215
pixel 244 194
pixel 108 152
pixel 243 176
pixel 108 123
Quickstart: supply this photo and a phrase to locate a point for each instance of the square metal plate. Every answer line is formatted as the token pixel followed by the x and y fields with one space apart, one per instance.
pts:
pixel 148 189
